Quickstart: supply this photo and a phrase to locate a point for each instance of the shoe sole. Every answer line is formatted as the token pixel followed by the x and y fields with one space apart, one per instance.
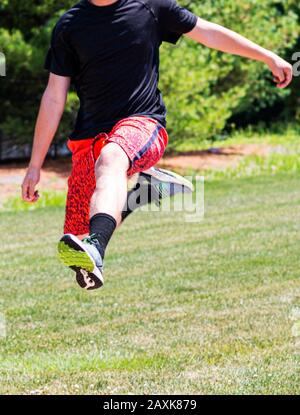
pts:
pixel 72 254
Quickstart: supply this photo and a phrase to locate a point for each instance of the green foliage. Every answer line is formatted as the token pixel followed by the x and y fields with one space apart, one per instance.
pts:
pixel 24 38
pixel 203 88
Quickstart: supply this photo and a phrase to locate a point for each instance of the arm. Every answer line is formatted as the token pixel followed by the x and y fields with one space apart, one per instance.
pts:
pixel 50 113
pixel 218 37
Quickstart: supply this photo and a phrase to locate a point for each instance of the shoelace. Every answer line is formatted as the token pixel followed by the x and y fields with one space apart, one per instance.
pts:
pixel 91 239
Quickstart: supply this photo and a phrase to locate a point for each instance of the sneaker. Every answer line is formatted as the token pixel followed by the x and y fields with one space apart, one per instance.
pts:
pixel 156 184
pixel 84 258
pixel 167 183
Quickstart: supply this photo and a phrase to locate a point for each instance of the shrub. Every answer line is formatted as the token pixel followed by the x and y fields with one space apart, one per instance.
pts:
pixel 203 88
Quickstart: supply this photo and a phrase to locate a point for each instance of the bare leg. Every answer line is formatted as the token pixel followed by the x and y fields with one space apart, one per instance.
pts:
pixel 111 182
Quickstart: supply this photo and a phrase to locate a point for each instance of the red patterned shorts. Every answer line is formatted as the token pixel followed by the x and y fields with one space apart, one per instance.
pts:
pixel 143 139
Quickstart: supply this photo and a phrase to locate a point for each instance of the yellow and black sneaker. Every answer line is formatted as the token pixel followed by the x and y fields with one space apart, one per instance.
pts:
pixel 84 258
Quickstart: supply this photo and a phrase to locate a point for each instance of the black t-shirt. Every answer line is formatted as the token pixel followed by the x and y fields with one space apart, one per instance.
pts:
pixel 111 54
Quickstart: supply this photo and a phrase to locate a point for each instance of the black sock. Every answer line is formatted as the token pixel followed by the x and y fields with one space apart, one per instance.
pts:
pixel 103 226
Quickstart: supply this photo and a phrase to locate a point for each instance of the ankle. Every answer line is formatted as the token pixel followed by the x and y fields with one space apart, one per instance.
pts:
pixel 102 227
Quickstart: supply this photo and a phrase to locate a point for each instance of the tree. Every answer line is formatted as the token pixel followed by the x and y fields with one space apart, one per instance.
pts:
pixel 203 89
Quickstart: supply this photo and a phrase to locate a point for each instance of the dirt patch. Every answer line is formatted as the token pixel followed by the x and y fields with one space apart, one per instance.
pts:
pixel 215 158
pixel 55 173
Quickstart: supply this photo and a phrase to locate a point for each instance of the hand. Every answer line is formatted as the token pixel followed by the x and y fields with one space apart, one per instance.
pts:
pixel 282 71
pixel 29 194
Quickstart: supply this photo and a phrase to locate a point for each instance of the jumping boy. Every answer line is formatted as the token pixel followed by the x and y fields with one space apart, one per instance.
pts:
pixel 110 50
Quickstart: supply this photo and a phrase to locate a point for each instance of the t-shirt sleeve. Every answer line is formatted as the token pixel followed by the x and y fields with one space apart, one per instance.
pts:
pixel 61 59
pixel 175 20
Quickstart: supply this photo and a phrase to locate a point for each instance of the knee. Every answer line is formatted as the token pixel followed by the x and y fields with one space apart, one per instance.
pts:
pixel 112 157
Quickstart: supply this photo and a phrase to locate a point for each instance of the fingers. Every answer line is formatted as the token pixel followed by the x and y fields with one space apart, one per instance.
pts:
pixel 288 76
pixel 279 76
pixel 25 192
pixel 29 194
pixel 283 77
pixel 28 191
pixel 36 196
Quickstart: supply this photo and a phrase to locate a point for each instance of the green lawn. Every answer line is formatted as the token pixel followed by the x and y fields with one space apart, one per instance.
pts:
pixel 200 308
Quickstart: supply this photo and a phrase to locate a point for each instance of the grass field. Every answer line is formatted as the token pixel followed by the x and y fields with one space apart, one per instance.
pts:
pixel 200 308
